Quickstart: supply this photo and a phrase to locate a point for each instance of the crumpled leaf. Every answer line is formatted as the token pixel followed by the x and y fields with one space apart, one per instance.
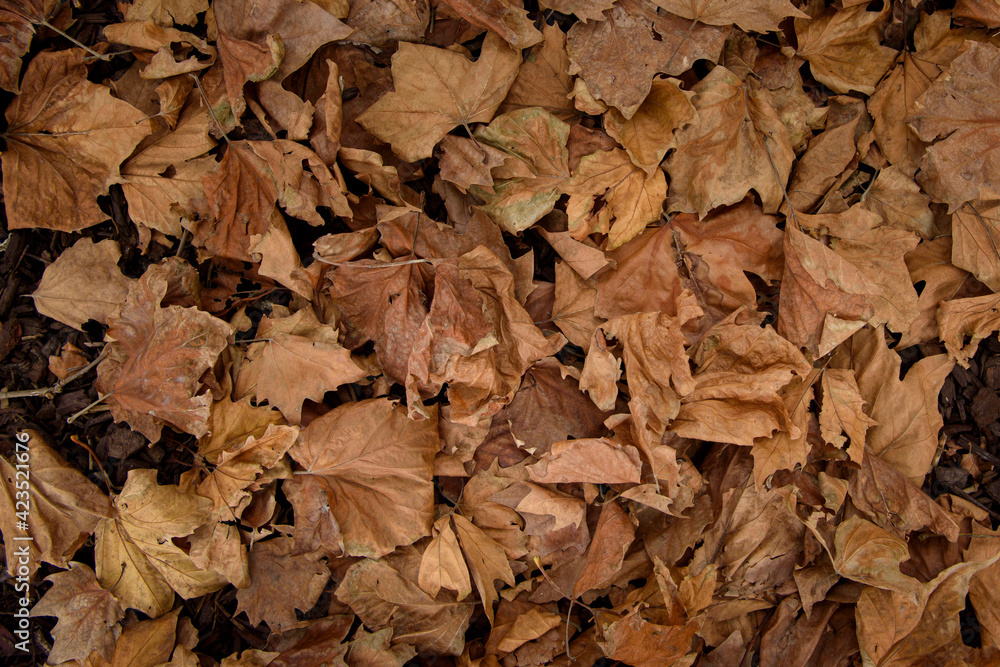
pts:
pixel 619 56
pixel 67 137
pixel 636 641
pixel 134 555
pixel 842 420
pixel 384 596
pixel 299 358
pixel 156 359
pixel 276 589
pixel 543 81
pixel 957 108
pixel 88 615
pixel 594 460
pixel 438 90
pixel 721 156
pixel 366 458
pixel 975 230
pixel 84 283
pixel 506 18
pixel 649 133
pixel 975 318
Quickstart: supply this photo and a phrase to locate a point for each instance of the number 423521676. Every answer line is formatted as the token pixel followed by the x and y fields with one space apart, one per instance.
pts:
pixel 22 477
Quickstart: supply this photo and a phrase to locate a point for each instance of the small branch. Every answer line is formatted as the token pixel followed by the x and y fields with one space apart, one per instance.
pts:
pixel 57 388
pixel 93 53
pixel 74 417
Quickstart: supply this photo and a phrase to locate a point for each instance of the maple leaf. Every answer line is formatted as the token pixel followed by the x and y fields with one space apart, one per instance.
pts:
pixel 636 641
pixel 68 137
pixel 16 32
pixel 437 90
pixel 66 506
pixel 594 460
pixel 612 538
pixel 84 283
pixel 842 412
pixel 277 590
pixel 542 81
pixel 634 198
pixel 649 133
pixel 88 615
pixel 526 186
pixel 373 467
pixel 298 358
pixel 959 168
pixel 898 201
pixel 156 358
pixel 385 596
pixel 843 47
pixel 720 156
pixel 975 232
pixel 442 564
pixel 134 555
pixel 619 56
pixel 905 410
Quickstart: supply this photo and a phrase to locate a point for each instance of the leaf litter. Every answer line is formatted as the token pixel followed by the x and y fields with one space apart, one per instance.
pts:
pixel 641 332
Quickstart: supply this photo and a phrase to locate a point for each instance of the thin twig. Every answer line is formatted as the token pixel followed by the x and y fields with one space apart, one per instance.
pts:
pixel 74 417
pixel 57 388
pixel 93 53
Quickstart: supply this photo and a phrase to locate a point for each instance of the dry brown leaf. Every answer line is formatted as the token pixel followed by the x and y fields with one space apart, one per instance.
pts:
pixel 593 460
pixel 16 32
pixel 843 47
pixel 543 81
pixel 842 420
pixel 898 201
pixel 381 23
pixel 134 555
pixel 820 167
pixel 442 565
pixel 527 185
pixel 786 449
pixel 375 650
pixel 645 278
pixel 649 133
pixel 636 641
pixel 486 559
pixel 633 198
pixel 506 18
pixel 387 597
pixel 166 12
pixel 298 358
pixel 721 156
pixel 84 283
pixel 156 359
pixel 619 56
pixel 905 410
pixel 958 108
pixel 65 506
pixel 88 615
pixel 438 90
pixel 573 308
pixel 67 137
pixel 612 539
pixel 752 15
pixel 975 232
pixel 280 583
pixel 366 459
pixel 930 263
pixel 975 318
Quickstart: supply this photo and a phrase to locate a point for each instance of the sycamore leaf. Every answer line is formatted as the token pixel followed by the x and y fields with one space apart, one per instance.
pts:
pixel 134 555
pixel 634 198
pixel 573 308
pixel 751 15
pixel 299 358
pixel 975 235
pixel 486 559
pixel 374 467
pixel 594 460
pixel 543 81
pixel 16 32
pixel 88 615
pixel 65 506
pixel 843 47
pixel 281 583
pixel 385 597
pixel 375 649
pixel 788 448
pixel 735 144
pixel 67 137
pixel 619 56
pixel 649 134
pixel 635 641
pixel 156 359
pixel 166 12
pixel 898 201
pixel 959 108
pixel 437 90
pixel 526 186
pixel 84 283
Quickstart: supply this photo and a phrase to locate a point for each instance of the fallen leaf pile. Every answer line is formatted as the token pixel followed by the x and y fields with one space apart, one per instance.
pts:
pixel 490 332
